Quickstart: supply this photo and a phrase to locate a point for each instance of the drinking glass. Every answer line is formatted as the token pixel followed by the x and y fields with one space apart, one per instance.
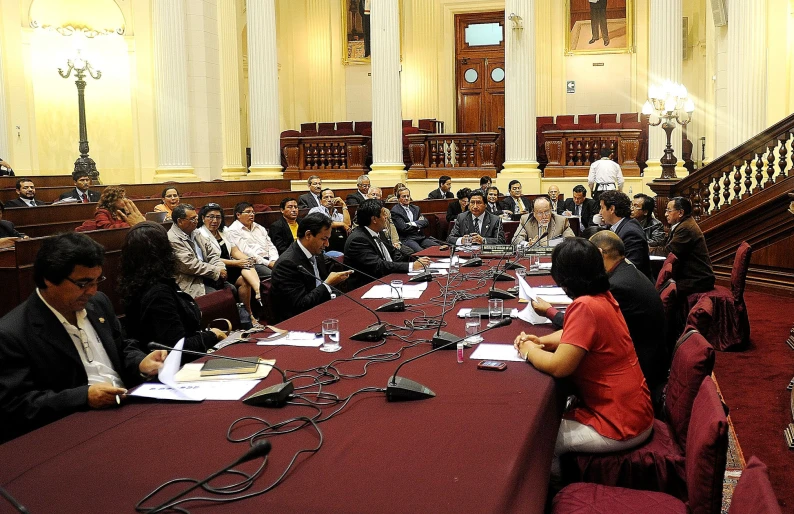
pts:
pixel 472 327
pixel 521 273
pixel 396 289
pixel 534 262
pixel 495 308
pixel 331 336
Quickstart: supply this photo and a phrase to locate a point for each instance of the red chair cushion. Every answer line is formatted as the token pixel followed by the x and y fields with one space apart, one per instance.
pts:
pixel 218 304
pixel 260 207
pixel 290 133
pixel 753 493
pixel 739 272
pixel 666 273
pixel 344 132
pixel 611 125
pixel 701 315
pixel 728 325
pixel 585 498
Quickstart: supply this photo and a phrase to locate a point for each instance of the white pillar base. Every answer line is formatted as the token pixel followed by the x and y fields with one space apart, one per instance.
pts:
pixel 176 174
pixel 387 174
pixel 266 171
pixel 526 172
pixel 233 173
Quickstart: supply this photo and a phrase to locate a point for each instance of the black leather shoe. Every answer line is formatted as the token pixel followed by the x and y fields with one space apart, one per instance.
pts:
pixel 592 41
pixel 606 42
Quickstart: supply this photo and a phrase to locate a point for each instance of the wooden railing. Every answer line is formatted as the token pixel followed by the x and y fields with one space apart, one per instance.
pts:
pixel 571 152
pixel 456 155
pixel 333 156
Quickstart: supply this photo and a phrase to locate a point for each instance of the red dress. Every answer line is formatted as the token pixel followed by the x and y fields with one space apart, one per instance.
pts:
pixel 104 220
pixel 615 400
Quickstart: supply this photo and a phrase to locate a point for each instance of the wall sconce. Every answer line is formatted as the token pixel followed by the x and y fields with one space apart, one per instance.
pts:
pixel 518 21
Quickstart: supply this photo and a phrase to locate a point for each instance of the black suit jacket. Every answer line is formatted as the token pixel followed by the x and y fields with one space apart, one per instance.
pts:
pixel 307 201
pixel 589 209
pixel 293 291
pixel 405 230
pixel 509 204
pixel 497 209
pixel 453 210
pixel 492 229
pixel 560 208
pixel 633 236
pixel 281 235
pixel 355 198
pixel 7 229
pixel 17 202
pixel 93 196
pixel 361 252
pixel 41 376
pixel 435 194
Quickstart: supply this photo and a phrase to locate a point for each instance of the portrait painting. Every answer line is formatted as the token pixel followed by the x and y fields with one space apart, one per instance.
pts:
pixel 599 26
pixel 356 30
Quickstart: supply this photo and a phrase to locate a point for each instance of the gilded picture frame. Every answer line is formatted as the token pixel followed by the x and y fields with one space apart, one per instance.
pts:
pixel 585 22
pixel 356 33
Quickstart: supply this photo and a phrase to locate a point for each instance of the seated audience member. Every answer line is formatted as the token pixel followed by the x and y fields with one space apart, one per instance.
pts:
pixel 581 206
pixel 410 223
pixel 482 226
pixel 363 185
pixel 642 207
pixel 252 239
pixel 393 197
pixel 444 189
pixel 485 183
pixel 390 231
pixel 311 199
pixel 554 194
pixel 155 308
pixel 295 291
pixel 514 204
pixel 115 210
pixel 239 266
pixel 460 205
pixel 365 248
pixel 5 169
pixel 26 193
pixel 492 204
pixel 640 305
pixel 170 197
pixel 62 351
pixel 333 207
pixel 284 231
pixel 542 221
pixel 615 411
pixel 8 233
pixel 616 212
pixel 81 192
pixel 199 269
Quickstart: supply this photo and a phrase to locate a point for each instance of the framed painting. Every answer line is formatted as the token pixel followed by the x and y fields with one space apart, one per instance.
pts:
pixel 356 30
pixel 599 26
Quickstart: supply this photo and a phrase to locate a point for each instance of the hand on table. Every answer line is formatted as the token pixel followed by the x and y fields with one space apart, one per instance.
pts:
pixel 101 396
pixel 526 342
pixel 418 263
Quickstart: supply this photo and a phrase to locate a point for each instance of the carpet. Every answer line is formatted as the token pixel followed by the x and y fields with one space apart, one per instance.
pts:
pixel 735 462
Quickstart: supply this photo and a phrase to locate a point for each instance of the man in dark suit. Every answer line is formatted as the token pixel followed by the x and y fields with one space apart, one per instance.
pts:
pixel 8 233
pixel 556 205
pixel 283 232
pixel 366 248
pixel 62 350
pixel 293 289
pixel 616 213
pixel 482 226
pixel 581 206
pixel 27 195
pixel 492 203
pixel 444 189
pixel 81 192
pixel 312 199
pixel 514 203
pixel 363 185
pixel 598 21
pixel 410 223
pixel 461 204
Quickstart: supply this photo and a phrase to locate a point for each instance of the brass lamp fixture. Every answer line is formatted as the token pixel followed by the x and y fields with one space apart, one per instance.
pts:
pixel 669 104
pixel 80 66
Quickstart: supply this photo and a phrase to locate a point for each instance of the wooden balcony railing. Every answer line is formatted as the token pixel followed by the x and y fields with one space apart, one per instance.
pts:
pixel 328 156
pixel 571 152
pixel 456 155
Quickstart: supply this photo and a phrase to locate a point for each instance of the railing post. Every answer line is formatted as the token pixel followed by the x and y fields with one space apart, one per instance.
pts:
pixel 665 189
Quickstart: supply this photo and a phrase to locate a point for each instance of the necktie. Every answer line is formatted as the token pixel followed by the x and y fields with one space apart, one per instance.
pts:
pixel 477 225
pixel 383 252
pixel 316 272
pixel 578 210
pixel 409 213
pixel 84 197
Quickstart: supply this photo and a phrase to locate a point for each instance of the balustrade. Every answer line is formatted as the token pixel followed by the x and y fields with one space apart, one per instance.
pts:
pixel 331 156
pixel 456 155
pixel 571 152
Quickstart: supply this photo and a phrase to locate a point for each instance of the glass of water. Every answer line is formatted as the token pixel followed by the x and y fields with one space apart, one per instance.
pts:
pixel 521 273
pixel 331 336
pixel 495 308
pixel 396 289
pixel 472 327
pixel 534 262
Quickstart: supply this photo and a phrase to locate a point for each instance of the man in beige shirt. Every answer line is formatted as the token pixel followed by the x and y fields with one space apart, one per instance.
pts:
pixel 199 269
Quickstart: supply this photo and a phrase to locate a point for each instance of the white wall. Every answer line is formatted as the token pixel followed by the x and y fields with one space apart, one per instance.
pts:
pixel 599 89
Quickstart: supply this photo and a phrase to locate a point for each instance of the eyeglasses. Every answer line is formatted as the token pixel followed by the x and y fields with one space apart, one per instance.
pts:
pixel 89 355
pixel 194 219
pixel 213 217
pixel 82 284
pixel 543 213
pixel 250 213
pixel 671 210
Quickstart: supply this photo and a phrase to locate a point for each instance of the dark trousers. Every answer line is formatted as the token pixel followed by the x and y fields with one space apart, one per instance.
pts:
pixel 598 19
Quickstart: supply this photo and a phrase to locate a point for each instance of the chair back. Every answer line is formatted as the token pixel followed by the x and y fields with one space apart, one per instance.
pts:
pixel 218 305
pixel 666 273
pixel 87 226
pixel 156 216
pixel 701 315
pixel 706 451
pixel 739 272
pixel 753 493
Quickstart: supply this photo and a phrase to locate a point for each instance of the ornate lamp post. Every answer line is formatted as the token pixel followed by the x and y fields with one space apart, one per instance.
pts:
pixel 669 103
pixel 80 66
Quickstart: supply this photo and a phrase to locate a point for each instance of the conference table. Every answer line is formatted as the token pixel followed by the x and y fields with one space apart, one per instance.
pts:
pixel 484 443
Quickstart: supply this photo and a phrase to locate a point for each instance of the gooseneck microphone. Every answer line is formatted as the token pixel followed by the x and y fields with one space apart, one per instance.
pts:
pixel 400 389
pixel 424 276
pixel 397 305
pixel 373 332
pixel 259 449
pixel 273 396
pixel 442 339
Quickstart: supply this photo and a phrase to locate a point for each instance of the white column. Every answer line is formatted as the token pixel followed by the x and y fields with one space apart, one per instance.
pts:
pixel 3 119
pixel 321 91
pixel 233 167
pixel 387 149
pixel 520 90
pixel 170 79
pixel 665 61
pixel 263 112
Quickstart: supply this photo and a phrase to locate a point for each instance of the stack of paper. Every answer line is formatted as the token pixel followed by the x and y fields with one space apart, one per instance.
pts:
pixel 410 291
pixel 496 352
pixel 528 314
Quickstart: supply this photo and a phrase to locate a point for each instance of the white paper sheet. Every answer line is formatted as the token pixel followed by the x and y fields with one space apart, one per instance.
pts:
pixel 410 291
pixel 496 352
pixel 168 372
pixel 528 314
pixel 191 372
pixel 435 272
pixel 307 339
pixel 658 257
pixel 196 391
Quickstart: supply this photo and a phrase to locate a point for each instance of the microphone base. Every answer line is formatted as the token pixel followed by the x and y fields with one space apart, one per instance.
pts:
pixel 444 338
pixel 371 333
pixel 392 306
pixel 500 293
pixel 402 390
pixel 514 265
pixel 273 396
pixel 503 277
pixel 425 276
pixel 471 263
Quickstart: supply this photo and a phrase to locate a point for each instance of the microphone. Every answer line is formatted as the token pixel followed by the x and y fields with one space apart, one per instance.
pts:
pixel 442 339
pixel 373 332
pixel 397 305
pixel 273 396
pixel 424 276
pixel 400 389
pixel 259 449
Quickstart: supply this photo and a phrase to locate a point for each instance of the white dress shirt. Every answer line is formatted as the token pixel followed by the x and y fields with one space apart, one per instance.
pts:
pixel 606 173
pixel 254 243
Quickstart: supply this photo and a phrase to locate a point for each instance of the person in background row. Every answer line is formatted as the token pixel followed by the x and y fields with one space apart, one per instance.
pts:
pixel 8 233
pixel 444 189
pixel 155 308
pixel 336 209
pixel 460 205
pixel 170 196
pixel 410 223
pixel 115 210
pixel 363 185
pixel 284 231
pixel 542 220
pixel 616 212
pixel 604 175
pixel 485 183
pixel 514 204
pixel 581 206
pixel 81 192
pixel 390 230
pixel 311 199
pixel 492 203
pixel 642 207
pixel 5 169
pixel 393 197
pixel 554 194
pixel 26 192
pixel 252 239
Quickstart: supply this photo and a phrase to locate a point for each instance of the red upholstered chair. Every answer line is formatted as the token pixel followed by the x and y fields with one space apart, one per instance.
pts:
pixel 367 131
pixel 344 125
pixel 666 273
pixel 270 190
pixel 630 120
pixel 706 453
pixel 730 325
pixel 588 121
pixel 326 126
pixel 753 493
pixel 510 229
pixel 266 312
pixel 669 296
pixel 701 315
pixel 309 126
pixel 216 305
pixel 260 207
pixel 361 125
pixel 290 133
pixel 408 123
pixel 344 132
pixel 565 122
pixel 609 121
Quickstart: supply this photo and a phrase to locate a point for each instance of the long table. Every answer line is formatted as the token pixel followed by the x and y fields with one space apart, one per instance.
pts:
pixel 483 444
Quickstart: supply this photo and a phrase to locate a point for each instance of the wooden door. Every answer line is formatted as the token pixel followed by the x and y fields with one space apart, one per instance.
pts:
pixel 479 71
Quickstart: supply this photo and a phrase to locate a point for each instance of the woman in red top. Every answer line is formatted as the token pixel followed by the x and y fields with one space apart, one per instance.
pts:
pixel 114 210
pixel 595 350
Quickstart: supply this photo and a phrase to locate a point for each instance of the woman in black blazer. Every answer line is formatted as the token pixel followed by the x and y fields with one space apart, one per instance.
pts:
pixel 458 206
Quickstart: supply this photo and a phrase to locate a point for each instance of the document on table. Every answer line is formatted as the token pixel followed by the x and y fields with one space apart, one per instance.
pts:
pixel 167 377
pixel 191 372
pixel 433 271
pixel 410 291
pixel 495 352
pixel 528 314
pixel 292 338
pixel 196 391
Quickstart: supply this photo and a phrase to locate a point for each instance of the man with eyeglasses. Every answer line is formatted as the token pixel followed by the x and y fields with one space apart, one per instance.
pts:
pixel 514 204
pixel 252 239
pixel 541 222
pixel 363 185
pixel 312 198
pixel 62 350
pixel 199 269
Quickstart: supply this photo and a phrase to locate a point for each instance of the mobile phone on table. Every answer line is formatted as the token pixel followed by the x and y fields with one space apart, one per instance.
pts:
pixel 492 365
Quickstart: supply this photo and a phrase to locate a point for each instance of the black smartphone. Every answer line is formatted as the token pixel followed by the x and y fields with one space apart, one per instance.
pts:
pixel 492 365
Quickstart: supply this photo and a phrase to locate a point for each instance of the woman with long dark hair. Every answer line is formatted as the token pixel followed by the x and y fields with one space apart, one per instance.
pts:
pixel 595 350
pixel 156 310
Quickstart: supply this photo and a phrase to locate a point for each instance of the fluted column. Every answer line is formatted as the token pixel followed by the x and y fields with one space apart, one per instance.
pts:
pixel 263 112
pixel 233 167
pixel 665 61
pixel 171 93
pixel 3 119
pixel 387 150
pixel 321 60
pixel 520 137
pixel 543 66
